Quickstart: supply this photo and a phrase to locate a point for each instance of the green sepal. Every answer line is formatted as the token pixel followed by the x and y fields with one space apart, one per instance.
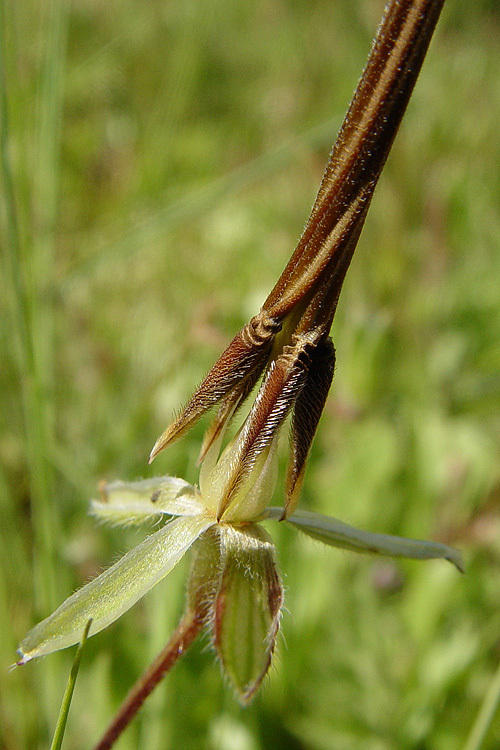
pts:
pixel 246 610
pixel 335 533
pixel 109 595
pixel 204 578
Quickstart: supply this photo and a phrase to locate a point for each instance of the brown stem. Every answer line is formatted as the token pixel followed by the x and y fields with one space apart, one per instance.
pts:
pixel 307 291
pixel 359 153
pixel 185 633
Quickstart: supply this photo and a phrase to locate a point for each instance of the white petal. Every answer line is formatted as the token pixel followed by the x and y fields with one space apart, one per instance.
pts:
pixel 136 502
pixel 338 534
pixel 113 592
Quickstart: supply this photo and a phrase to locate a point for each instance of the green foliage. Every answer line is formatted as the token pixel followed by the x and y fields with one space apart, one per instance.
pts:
pixel 68 693
pixel 159 162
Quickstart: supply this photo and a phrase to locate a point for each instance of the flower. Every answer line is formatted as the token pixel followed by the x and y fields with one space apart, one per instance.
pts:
pixel 235 588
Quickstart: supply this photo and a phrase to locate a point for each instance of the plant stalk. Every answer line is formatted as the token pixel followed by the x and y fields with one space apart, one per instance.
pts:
pixel 184 635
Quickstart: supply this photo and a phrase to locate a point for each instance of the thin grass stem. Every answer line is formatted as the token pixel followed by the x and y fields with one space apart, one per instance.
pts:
pixel 485 715
pixel 68 693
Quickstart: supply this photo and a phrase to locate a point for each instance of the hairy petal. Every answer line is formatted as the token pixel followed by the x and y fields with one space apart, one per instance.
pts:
pixel 109 595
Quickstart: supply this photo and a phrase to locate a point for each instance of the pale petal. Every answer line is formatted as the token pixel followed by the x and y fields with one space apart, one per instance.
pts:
pixel 113 592
pixel 338 534
pixel 136 502
pixel 257 488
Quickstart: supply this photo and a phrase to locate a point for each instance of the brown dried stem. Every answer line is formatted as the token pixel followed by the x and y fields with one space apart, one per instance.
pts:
pixel 360 152
pixel 305 296
pixel 185 633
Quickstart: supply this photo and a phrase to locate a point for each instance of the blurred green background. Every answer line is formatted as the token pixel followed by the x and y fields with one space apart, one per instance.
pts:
pixel 159 162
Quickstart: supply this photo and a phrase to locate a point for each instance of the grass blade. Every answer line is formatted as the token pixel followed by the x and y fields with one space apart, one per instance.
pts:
pixel 68 693
pixel 485 716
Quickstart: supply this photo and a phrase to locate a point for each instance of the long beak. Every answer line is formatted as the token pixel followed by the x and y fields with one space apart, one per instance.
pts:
pixel 303 302
pixel 324 251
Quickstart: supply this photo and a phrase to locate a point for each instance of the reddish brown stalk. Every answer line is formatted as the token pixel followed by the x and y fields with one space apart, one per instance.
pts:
pixel 304 300
pixel 184 635
pixel 359 153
